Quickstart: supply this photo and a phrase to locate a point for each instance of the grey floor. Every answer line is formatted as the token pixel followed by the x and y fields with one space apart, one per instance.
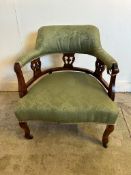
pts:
pixel 64 149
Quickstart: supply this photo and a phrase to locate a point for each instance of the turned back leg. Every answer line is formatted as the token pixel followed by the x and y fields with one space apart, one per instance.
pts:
pixel 108 130
pixel 26 129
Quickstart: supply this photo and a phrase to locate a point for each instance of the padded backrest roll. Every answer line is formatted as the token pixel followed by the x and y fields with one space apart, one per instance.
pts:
pixel 68 39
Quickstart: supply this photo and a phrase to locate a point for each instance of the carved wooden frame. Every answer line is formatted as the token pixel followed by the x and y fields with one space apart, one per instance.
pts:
pixel 68 59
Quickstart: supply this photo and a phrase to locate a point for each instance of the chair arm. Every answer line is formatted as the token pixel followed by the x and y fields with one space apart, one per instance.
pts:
pixel 24 59
pixel 107 59
pixel 100 67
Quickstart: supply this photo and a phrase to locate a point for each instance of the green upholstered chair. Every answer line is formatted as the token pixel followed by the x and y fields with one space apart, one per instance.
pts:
pixel 68 94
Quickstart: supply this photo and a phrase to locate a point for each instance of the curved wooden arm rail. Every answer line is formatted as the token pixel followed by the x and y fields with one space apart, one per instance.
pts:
pixel 68 59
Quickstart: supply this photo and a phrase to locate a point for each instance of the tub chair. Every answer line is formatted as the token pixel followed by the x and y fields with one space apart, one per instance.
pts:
pixel 67 94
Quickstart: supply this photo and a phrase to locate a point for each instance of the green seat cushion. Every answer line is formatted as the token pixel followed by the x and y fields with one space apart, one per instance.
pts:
pixel 68 97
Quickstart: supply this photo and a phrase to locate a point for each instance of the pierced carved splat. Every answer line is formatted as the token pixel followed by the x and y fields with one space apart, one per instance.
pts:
pixel 36 67
pixel 100 67
pixel 68 59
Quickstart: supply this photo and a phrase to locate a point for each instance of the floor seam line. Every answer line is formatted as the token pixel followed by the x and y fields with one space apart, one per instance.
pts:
pixel 127 125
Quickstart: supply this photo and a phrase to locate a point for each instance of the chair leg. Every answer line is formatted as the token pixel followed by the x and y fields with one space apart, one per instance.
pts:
pixel 108 130
pixel 26 129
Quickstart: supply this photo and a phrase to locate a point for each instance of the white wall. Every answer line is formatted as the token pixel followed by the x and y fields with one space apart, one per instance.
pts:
pixel 20 20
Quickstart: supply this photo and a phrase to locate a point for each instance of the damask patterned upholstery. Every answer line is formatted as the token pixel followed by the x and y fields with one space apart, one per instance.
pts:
pixel 69 97
pixel 68 39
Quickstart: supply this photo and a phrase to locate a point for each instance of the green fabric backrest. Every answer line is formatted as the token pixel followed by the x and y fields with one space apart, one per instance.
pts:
pixel 67 39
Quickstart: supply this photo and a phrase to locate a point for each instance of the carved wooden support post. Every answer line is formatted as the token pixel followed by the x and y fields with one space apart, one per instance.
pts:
pixel 22 88
pixel 26 129
pixel 68 59
pixel 36 67
pixel 111 91
pixel 100 67
pixel 111 94
pixel 108 130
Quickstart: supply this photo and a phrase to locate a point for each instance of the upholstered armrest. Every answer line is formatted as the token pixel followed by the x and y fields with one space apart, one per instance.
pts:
pixel 106 58
pixel 24 59
pixel 101 54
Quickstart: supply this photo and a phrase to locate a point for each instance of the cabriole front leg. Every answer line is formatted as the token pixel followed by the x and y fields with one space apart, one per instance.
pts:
pixel 26 129
pixel 108 130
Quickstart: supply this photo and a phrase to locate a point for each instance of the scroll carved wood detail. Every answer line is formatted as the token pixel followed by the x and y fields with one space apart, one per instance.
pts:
pixel 68 60
pixel 36 67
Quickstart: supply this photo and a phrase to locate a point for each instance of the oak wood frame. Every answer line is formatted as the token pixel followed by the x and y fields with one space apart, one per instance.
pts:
pixel 68 59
